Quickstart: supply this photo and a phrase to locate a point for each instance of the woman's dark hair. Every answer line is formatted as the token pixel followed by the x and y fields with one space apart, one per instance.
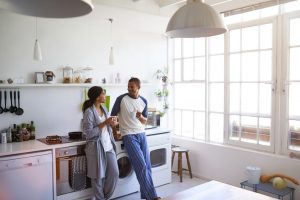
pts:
pixel 93 93
pixel 136 81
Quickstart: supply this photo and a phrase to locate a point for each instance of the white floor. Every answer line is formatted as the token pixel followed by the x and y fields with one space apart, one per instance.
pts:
pixel 168 189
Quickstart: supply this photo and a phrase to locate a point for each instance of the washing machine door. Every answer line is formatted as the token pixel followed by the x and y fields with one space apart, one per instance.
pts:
pixel 125 167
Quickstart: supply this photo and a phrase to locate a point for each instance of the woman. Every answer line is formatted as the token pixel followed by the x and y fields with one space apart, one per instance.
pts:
pixel 100 149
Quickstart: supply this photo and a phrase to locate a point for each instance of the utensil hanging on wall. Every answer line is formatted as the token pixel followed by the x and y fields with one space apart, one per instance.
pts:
pixel 15 103
pixel 1 109
pixel 11 109
pixel 19 111
pixel 5 97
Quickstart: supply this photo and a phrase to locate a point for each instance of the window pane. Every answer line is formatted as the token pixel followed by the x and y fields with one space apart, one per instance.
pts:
pixel 265 98
pixel 216 44
pixel 251 15
pixel 295 31
pixel 216 68
pixel 184 100
pixel 250 38
pixel 249 129
pixel 216 99
pixel 249 98
pixel 235 40
pixel 177 48
pixel 265 67
pixel 234 127
pixel 233 19
pixel 188 47
pixel 269 11
pixel 177 122
pixel 200 68
pixel 264 131
pixel 199 46
pixel 266 36
pixel 187 123
pixel 177 70
pixel 291 6
pixel 199 125
pixel 188 69
pixel 294 134
pixel 216 130
pixel 250 66
pixel 235 67
pixel 294 64
pixel 234 98
pixel 294 99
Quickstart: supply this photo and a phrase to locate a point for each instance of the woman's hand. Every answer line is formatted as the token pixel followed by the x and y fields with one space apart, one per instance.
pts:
pixel 112 121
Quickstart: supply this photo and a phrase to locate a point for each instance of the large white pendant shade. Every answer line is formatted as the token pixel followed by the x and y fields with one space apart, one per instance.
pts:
pixel 37 53
pixel 195 19
pixel 111 56
pixel 49 8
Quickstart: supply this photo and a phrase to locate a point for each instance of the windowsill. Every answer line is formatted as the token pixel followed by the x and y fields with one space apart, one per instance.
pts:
pixel 232 147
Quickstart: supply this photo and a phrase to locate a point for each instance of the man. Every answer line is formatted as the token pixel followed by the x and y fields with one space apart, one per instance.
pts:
pixel 132 111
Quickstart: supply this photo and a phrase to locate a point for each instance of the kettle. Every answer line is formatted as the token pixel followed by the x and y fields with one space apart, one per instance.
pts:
pixel 49 76
pixel 253 174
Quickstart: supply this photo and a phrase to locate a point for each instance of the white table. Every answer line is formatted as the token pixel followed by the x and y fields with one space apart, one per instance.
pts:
pixel 215 190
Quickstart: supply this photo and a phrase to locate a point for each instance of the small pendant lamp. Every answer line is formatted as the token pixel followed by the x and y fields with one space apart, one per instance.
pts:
pixel 111 52
pixel 37 53
pixel 195 19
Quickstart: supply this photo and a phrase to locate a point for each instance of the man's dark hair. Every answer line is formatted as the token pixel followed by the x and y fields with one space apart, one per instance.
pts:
pixel 136 81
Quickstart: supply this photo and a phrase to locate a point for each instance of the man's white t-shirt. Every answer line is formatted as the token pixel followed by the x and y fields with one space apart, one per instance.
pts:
pixel 126 107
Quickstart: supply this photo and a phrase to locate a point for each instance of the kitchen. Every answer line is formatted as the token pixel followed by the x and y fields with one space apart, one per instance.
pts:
pixel 86 41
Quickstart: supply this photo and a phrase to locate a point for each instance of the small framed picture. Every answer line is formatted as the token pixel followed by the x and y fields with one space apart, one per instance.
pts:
pixel 39 77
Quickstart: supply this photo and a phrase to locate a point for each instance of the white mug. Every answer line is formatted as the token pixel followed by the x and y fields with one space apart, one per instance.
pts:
pixel 3 138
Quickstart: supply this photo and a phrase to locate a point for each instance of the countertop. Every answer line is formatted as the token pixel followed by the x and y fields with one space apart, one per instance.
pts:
pixel 35 145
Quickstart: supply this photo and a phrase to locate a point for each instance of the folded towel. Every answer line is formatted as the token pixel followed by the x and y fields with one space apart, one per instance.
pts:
pixel 77 173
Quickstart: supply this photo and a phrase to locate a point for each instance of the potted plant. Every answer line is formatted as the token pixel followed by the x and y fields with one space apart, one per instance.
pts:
pixel 162 74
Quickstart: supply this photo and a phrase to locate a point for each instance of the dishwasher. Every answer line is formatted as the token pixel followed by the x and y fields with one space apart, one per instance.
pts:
pixel 26 176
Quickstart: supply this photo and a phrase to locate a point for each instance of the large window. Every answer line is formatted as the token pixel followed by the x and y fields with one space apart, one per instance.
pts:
pixel 292 83
pixel 241 88
pixel 194 117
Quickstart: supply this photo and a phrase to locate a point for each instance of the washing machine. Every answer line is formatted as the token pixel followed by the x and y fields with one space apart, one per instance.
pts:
pixel 127 182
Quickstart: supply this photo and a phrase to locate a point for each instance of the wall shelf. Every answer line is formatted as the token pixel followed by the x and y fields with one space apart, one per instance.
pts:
pixel 24 85
pixel 60 85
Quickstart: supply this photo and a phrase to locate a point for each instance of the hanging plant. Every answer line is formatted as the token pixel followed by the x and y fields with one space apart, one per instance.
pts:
pixel 162 74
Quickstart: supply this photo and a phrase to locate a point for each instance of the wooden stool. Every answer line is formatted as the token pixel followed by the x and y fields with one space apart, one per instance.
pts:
pixel 180 150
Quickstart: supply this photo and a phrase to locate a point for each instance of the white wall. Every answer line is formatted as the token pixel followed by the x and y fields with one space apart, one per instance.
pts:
pixel 227 164
pixel 140 49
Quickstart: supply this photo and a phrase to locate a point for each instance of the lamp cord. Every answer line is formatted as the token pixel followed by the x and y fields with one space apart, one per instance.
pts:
pixel 35 28
pixel 111 21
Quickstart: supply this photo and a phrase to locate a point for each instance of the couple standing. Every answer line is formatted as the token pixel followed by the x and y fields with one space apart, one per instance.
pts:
pixel 131 109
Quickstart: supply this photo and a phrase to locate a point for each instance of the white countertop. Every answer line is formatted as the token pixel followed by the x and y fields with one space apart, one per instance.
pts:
pixel 35 145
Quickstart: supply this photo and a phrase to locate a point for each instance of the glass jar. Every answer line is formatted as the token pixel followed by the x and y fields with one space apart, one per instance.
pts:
pixel 88 75
pixel 77 76
pixel 67 75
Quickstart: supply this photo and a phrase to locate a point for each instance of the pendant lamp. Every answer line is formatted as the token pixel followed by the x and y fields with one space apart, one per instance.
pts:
pixel 37 53
pixel 49 8
pixel 195 19
pixel 111 52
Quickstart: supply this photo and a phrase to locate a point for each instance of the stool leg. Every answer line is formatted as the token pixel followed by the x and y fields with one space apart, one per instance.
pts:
pixel 180 165
pixel 189 165
pixel 173 155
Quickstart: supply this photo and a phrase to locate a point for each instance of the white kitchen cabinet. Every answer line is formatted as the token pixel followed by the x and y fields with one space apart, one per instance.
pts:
pixel 27 176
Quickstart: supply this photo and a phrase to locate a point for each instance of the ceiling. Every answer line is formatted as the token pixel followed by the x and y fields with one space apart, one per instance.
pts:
pixel 168 7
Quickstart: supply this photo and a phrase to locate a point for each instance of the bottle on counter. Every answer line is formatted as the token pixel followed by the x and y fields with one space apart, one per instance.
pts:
pixel 14 133
pixel 19 135
pixel 8 135
pixel 32 131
